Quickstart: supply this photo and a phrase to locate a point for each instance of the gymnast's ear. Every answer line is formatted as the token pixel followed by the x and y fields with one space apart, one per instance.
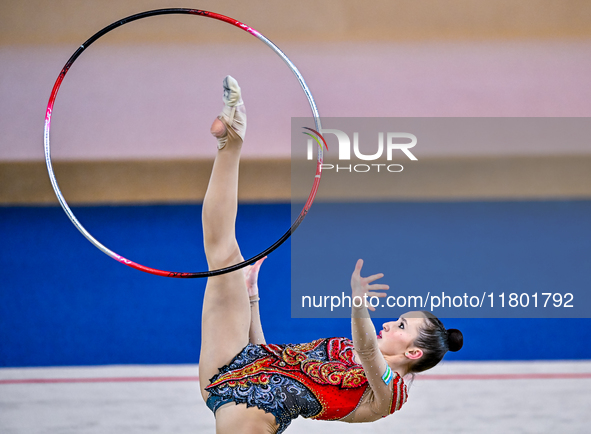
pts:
pixel 414 353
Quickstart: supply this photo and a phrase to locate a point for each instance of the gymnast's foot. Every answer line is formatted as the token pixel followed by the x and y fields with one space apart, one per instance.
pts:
pixel 230 126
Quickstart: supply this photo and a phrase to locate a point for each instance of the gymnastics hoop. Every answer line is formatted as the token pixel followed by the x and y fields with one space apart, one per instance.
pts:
pixel 120 258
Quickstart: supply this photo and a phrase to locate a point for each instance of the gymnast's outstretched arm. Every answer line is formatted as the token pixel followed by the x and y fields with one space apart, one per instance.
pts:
pixel 251 274
pixel 366 346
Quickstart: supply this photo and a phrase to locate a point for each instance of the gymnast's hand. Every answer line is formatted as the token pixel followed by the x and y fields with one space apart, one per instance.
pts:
pixel 361 287
pixel 251 275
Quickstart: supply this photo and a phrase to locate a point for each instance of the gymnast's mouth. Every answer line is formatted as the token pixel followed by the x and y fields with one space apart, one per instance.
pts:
pixel 380 335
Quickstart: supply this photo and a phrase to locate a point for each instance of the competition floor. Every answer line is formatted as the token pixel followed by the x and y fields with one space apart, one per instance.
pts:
pixel 458 397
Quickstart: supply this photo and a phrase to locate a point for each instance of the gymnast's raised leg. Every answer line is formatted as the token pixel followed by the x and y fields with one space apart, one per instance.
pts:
pixel 226 307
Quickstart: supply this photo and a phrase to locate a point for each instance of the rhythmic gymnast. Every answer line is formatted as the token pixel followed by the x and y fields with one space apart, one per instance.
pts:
pixel 254 387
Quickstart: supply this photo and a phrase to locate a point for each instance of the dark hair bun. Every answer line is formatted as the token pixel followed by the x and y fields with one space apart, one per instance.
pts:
pixel 455 340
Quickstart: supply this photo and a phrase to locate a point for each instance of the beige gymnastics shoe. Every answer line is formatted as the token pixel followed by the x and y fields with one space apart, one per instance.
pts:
pixel 233 115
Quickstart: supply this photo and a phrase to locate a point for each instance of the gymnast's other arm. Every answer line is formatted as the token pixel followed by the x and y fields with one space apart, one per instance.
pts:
pixel 251 274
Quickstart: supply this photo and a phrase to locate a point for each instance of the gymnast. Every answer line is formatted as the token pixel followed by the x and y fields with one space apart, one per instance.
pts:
pixel 254 387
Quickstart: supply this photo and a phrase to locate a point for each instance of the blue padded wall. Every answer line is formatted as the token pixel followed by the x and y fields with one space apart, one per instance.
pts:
pixel 63 302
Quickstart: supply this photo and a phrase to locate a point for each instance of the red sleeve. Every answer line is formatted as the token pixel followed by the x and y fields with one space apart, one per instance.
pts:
pixel 399 394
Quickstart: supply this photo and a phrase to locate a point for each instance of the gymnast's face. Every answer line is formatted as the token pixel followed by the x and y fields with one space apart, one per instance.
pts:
pixel 398 337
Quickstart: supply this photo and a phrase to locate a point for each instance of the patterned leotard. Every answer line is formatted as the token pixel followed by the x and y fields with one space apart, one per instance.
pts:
pixel 319 379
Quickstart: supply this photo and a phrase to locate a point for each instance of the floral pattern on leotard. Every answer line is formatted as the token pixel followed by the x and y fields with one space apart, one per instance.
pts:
pixel 277 394
pixel 319 379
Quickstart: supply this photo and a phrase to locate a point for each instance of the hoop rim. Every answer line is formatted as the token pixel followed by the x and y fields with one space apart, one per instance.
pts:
pixel 120 258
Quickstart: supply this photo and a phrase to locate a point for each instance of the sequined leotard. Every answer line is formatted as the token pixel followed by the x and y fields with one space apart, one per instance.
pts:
pixel 320 380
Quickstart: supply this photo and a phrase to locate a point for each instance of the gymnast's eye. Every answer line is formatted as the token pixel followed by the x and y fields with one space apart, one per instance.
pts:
pixel 401 325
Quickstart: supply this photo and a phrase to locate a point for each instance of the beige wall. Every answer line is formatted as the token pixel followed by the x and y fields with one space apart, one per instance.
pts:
pixel 182 181
pixel 72 21
pixel 122 133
